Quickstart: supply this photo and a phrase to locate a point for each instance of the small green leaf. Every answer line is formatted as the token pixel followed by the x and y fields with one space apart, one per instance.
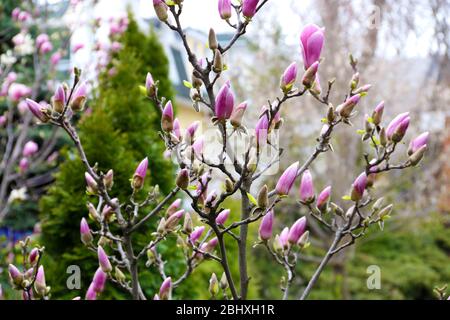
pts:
pixel 143 90
pixel 252 199
pixel 347 198
pixel 361 132
pixel 192 187
pixel 324 120
pixel 187 84
pixel 225 67
pixel 370 119
pixel 170 2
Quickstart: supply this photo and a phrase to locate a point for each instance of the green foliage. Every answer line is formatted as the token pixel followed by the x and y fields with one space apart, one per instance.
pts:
pixel 118 134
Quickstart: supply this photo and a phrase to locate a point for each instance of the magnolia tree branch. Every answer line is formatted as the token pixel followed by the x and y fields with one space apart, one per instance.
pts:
pixel 238 172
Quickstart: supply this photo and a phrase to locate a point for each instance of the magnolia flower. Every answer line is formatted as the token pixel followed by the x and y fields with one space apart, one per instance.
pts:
pixel 224 102
pixel 297 230
pixel 103 260
pixel 396 123
pixel 306 188
pixel 165 289
pixel 173 207
pixel 287 180
pixel 196 234
pixel 37 110
pixel 161 8
pixel 99 280
pixel 222 217
pixel 249 8
pixel 150 85
pixel 377 114
pixel 18 91
pixel 39 283
pixel 311 40
pixel 238 114
pixel 30 148
pixel 266 226
pixel 139 174
pixel 345 110
pixel 261 130
pixel 358 187
pixel 79 97
pixel 225 9
pixel 85 232
pixel 90 293
pixel 167 117
pixel 288 78
pixel 24 164
pixel 418 143
pixel 55 58
pixel 322 199
pixel 283 238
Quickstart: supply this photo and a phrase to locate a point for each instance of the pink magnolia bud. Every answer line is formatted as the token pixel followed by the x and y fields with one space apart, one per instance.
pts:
pixel 34 255
pixel 190 131
pixel 261 131
pixel 85 232
pixel 161 8
pixel 139 175
pixel 46 47
pixel 249 8
pixel 266 226
pixel 150 85
pixel 393 125
pixel 400 131
pixel 307 188
pixel 288 78
pixel 59 99
pixel 311 39
pixel 165 290
pixel 284 236
pixel 196 234
pixel 225 9
pixel 310 78
pixel 345 110
pixel 322 199
pixel 210 245
pixel 224 102
pixel 182 180
pixel 39 283
pixel 77 47
pixel 418 143
pixel 287 180
pixel 211 198
pixel 24 164
pixel 238 114
pixel 79 98
pixel 23 16
pixel 18 91
pixel 177 129
pixel 222 217
pixel 92 186
pixel 41 39
pixel 174 219
pixel 167 117
pixel 297 230
pixel 37 110
pixel 103 260
pixel 358 187
pixel 198 146
pixel 55 58
pixel 30 148
pixel 99 280
pixel 15 275
pixel 90 293
pixel 173 207
pixel 377 114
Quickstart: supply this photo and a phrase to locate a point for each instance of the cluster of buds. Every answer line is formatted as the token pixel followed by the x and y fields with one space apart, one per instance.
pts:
pixel 32 281
pixel 44 112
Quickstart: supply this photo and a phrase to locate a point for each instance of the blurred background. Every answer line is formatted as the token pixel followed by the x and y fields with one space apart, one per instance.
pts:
pixel 403 49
